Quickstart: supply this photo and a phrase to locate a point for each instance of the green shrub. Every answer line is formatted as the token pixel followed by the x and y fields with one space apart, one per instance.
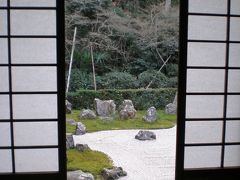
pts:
pixel 158 78
pixel 119 80
pixel 141 98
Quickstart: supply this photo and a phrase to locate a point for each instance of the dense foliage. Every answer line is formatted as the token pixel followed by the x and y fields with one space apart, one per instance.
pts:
pixel 142 99
pixel 130 40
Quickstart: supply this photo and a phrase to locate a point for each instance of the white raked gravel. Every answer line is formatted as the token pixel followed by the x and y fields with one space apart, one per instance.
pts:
pixel 143 160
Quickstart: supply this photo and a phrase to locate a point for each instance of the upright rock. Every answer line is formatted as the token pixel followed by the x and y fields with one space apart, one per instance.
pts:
pixel 69 141
pixel 68 107
pixel 79 175
pixel 80 129
pixel 172 107
pixel 114 173
pixel 151 115
pixel 87 114
pixel 127 110
pixel 105 108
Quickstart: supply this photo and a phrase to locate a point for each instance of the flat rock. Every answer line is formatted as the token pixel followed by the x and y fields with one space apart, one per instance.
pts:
pixel 87 114
pixel 79 175
pixel 82 147
pixel 80 129
pixel 145 135
pixel 105 108
pixel 114 173
pixel 151 115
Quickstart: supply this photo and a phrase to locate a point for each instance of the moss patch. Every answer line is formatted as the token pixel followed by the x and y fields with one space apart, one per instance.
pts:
pixel 164 121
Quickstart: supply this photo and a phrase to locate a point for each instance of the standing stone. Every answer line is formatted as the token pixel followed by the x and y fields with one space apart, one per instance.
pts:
pixel 68 107
pixel 69 141
pixel 127 112
pixel 79 175
pixel 172 107
pixel 105 108
pixel 87 114
pixel 80 129
pixel 82 147
pixel 145 135
pixel 151 115
pixel 114 173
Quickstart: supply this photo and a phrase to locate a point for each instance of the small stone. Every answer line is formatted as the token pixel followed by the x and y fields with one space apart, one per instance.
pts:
pixel 68 107
pixel 80 129
pixel 82 147
pixel 145 135
pixel 79 175
pixel 71 122
pixel 69 141
pixel 114 173
pixel 105 108
pixel 87 114
pixel 151 115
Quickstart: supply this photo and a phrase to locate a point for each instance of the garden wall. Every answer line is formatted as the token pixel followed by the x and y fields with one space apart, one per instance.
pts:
pixel 142 98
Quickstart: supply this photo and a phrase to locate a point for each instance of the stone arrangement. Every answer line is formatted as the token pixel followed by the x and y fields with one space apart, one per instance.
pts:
pixel 114 173
pixel 145 135
pixel 151 115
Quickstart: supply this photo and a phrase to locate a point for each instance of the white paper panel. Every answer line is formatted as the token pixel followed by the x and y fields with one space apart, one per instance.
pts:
pixel 3 3
pixel 33 3
pixel 235 7
pixel 34 106
pixel 203 132
pixel 234 29
pixel 33 51
pixel 3 22
pixel 202 157
pixel 232 156
pixel 200 106
pixel 205 80
pixel 207 28
pixel 4 81
pixel 6 161
pixel 5 134
pixel 34 79
pixel 36 160
pixel 4 107
pixel 233 131
pixel 4 51
pixel 233 106
pixel 33 22
pixel 208 6
pixel 35 133
pixel 206 54
pixel 234 55
pixel 234 80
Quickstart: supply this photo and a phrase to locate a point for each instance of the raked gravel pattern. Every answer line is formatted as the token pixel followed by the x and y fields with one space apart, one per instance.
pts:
pixel 143 160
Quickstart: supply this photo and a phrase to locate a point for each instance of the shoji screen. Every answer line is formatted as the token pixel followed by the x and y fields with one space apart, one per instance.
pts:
pixel 32 89
pixel 209 104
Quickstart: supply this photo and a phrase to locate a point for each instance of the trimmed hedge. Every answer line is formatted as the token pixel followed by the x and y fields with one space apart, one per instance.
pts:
pixel 142 99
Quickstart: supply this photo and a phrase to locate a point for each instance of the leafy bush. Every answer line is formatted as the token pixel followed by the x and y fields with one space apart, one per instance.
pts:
pixel 119 80
pixel 141 98
pixel 159 79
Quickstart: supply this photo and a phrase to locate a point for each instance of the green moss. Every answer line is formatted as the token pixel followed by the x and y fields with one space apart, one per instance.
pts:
pixel 88 161
pixel 164 121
